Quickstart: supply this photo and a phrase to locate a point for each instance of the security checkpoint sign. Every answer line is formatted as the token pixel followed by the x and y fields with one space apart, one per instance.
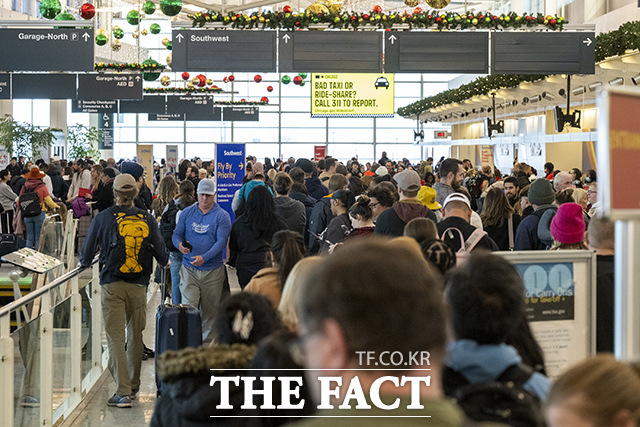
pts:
pixel 229 173
pixel 352 95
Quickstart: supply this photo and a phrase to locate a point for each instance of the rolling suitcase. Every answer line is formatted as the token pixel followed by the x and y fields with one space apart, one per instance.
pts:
pixel 177 327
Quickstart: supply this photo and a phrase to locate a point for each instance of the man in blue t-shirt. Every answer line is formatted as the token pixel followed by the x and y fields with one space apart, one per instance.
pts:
pixel 201 234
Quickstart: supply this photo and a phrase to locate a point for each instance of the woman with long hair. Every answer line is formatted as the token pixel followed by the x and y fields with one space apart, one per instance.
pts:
pixel 297 279
pixel 167 191
pixel 97 185
pixel 287 248
pixel 252 232
pixel 499 220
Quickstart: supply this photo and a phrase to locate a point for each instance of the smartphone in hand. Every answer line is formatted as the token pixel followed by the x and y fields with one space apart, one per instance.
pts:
pixel 187 245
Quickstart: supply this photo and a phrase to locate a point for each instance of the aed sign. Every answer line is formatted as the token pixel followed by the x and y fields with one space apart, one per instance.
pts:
pixel 352 95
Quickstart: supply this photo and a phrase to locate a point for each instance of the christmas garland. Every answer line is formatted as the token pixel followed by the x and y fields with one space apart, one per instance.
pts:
pixel 134 66
pixel 610 44
pixel 244 102
pixel 182 90
pixel 379 19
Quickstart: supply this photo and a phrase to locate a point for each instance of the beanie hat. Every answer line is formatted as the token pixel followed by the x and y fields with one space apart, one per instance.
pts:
pixel 568 225
pixel 541 192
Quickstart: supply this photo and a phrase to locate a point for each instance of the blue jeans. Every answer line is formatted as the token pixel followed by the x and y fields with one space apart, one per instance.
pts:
pixel 34 227
pixel 176 262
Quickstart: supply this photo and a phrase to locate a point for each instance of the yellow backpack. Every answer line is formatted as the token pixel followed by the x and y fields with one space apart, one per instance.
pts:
pixel 128 255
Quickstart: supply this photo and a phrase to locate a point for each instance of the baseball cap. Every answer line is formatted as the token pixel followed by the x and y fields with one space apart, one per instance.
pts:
pixel 382 171
pixel 124 182
pixel 408 180
pixel 305 165
pixel 206 186
pixel 457 197
pixel 427 196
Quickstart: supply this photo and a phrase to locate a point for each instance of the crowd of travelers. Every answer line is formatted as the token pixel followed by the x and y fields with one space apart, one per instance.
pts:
pixel 334 259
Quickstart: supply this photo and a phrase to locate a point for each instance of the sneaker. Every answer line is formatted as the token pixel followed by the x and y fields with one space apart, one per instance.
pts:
pixel 30 401
pixel 146 350
pixel 144 356
pixel 119 401
pixel 134 394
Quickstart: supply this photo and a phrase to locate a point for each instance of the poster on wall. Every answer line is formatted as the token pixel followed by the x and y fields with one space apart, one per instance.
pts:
pixel 319 152
pixel 230 160
pixel 172 157
pixel 352 95
pixel 559 303
pixel 618 151
pixel 486 155
pixel 145 158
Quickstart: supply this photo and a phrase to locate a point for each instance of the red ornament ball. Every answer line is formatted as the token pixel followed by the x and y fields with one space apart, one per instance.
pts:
pixel 417 11
pixel 243 100
pixel 231 78
pixel 365 16
pixel 353 18
pixel 226 79
pixel 264 99
pixel 202 80
pixel 377 9
pixel 269 88
pixel 185 76
pixel 297 80
pixel 257 78
pixel 553 22
pixel 438 19
pixel 287 9
pixel 87 11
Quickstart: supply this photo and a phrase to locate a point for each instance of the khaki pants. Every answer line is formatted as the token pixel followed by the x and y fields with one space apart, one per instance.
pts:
pixel 203 290
pixel 124 306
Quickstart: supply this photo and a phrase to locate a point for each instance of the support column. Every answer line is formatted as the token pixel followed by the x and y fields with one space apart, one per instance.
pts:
pixel 627 290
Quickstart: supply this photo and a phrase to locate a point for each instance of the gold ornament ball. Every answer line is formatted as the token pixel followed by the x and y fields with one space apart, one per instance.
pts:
pixel 116 45
pixel 411 3
pixel 169 60
pixel 103 32
pixel 144 32
pixel 209 82
pixel 195 81
pixel 164 42
pixel 190 85
pixel 165 80
pixel 135 34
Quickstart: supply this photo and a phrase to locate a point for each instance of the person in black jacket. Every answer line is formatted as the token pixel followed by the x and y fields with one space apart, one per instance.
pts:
pixel 497 216
pixel 457 213
pixel 340 225
pixel 321 214
pixel 291 211
pixel 392 221
pixel 17 181
pixel 60 187
pixel 143 201
pixel 105 199
pixel 251 234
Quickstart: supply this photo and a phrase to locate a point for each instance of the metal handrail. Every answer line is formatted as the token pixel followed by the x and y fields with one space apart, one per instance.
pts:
pixel 14 306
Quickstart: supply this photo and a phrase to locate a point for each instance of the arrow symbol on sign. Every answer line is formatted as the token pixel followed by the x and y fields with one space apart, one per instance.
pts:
pixel 588 41
pixel 392 39
pixel 241 166
pixel 286 38
pixel 137 78
pixel 179 37
pixel 86 36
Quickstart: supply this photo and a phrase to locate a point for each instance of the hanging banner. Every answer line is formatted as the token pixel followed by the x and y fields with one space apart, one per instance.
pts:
pixel 486 155
pixel 319 152
pixel 229 174
pixel 172 157
pixel 352 95
pixel 145 158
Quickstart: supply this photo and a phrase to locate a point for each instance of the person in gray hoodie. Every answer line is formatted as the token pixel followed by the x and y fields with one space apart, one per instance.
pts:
pixel 291 211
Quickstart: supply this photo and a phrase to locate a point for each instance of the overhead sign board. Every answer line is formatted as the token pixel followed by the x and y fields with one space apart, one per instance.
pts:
pixel 148 104
pixel 352 95
pixel 5 86
pixel 43 86
pixel 229 174
pixel 46 50
pixel 222 50
pixel 543 53
pixel 91 106
pixel 105 124
pixel 240 114
pixel 330 51
pixel 154 117
pixel 213 115
pixel 109 86
pixel 196 104
pixel 435 52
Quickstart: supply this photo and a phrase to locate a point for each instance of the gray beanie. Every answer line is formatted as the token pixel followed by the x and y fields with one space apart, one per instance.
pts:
pixel 541 192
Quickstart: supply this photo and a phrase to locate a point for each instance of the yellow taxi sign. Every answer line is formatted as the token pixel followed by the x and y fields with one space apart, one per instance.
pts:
pixel 352 95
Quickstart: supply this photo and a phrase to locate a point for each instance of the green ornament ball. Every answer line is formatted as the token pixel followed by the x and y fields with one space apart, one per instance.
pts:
pixel 303 75
pixel 133 17
pixel 118 33
pixel 65 17
pixel 101 39
pixel 170 7
pixel 286 80
pixel 50 8
pixel 151 76
pixel 302 83
pixel 168 46
pixel 155 28
pixel 149 7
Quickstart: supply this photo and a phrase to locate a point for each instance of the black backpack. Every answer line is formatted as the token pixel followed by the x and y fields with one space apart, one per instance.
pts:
pixel 128 255
pixel 503 401
pixel 168 224
pixel 30 203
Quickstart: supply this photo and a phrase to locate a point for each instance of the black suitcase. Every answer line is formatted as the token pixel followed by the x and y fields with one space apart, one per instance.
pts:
pixel 10 243
pixel 177 327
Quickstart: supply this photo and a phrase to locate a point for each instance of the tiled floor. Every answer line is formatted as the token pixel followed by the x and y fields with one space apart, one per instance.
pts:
pixel 95 412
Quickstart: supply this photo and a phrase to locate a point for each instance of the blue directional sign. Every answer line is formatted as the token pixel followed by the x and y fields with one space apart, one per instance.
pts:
pixel 229 173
